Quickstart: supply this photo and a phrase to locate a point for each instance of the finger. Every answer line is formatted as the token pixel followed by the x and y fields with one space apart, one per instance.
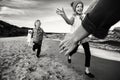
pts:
pixel 58 9
pixel 63 50
pixel 57 12
pixel 64 46
pixel 68 44
pixel 62 43
pixel 69 51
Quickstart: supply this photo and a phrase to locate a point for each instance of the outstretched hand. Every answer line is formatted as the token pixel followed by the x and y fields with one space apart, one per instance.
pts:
pixel 67 46
pixel 60 12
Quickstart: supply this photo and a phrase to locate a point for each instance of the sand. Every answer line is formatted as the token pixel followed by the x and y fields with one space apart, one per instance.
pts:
pixel 18 62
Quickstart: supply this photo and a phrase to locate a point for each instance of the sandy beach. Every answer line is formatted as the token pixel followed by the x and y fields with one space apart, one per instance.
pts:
pixel 17 58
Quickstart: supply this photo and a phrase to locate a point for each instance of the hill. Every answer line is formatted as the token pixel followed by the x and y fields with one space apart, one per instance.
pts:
pixel 9 30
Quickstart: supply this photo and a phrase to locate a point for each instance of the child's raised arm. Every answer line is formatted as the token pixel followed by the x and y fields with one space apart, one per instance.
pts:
pixel 62 13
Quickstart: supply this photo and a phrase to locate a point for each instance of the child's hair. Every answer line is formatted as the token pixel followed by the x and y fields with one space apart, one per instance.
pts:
pixel 36 22
pixel 74 4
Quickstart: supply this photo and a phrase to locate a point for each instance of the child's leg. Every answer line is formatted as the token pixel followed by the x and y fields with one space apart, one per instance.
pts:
pixel 87 59
pixel 87 54
pixel 38 50
pixel 34 46
pixel 71 53
pixel 74 51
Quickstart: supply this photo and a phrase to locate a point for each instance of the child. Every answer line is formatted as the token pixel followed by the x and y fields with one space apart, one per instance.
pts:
pixel 37 37
pixel 75 21
pixel 29 36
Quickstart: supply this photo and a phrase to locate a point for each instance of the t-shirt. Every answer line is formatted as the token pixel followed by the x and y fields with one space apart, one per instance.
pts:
pixel 38 35
pixel 76 24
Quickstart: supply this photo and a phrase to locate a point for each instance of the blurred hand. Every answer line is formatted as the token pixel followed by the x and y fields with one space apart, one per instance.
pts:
pixel 67 46
pixel 60 12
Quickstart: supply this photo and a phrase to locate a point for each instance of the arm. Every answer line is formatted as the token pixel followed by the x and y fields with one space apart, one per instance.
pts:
pixel 63 15
pixel 91 6
pixel 93 24
pixel 68 45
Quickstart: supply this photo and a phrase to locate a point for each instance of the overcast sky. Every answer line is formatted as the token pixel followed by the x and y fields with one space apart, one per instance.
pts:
pixel 25 12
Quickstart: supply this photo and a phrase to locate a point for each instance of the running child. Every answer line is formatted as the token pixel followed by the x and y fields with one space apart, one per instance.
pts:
pixel 75 21
pixel 38 37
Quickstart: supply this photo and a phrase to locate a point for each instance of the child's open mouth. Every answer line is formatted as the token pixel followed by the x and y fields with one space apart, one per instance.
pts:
pixel 79 11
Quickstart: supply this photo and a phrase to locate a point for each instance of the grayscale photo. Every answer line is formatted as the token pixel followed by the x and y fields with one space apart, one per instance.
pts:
pixel 59 40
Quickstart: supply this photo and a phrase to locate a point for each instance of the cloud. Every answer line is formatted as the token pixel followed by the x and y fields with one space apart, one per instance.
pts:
pixel 21 4
pixel 30 10
pixel 28 4
pixel 10 11
pixel 32 4
pixel 29 7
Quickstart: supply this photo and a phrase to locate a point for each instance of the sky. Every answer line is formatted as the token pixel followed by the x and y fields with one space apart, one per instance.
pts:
pixel 23 13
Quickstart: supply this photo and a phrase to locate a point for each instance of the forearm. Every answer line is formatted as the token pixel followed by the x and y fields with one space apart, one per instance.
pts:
pixel 79 34
pixel 91 6
pixel 68 21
